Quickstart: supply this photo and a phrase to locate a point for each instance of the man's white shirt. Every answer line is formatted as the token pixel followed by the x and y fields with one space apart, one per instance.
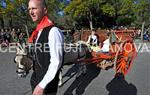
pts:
pixel 55 42
pixel 93 37
pixel 106 45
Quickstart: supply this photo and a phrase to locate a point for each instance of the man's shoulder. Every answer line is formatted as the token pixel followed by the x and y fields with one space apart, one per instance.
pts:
pixel 55 30
pixel 52 28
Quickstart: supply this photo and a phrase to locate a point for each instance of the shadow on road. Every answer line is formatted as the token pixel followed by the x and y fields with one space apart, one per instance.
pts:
pixel 119 86
pixel 70 73
pixel 81 82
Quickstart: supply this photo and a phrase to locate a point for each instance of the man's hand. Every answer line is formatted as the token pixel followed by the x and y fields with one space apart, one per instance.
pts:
pixel 38 90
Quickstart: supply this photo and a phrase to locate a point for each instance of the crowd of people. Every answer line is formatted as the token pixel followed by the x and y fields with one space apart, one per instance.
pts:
pixel 9 35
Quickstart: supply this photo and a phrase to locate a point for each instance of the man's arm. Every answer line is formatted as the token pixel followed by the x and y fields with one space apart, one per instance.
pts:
pixel 55 41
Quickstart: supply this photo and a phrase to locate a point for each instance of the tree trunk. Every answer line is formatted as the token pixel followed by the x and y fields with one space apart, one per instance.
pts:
pixel 10 22
pixel 143 24
pixel 91 25
pixel 26 29
pixel 90 20
pixel 2 22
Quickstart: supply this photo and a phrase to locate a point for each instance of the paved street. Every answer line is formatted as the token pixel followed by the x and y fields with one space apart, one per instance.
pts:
pixel 95 82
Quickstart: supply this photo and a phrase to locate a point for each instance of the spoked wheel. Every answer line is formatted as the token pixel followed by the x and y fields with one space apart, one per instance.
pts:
pixel 132 34
pixel 125 57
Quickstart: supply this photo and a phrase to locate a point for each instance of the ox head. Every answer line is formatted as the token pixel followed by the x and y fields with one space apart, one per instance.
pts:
pixel 23 62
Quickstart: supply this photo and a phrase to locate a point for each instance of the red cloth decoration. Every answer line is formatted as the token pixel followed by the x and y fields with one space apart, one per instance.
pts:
pixel 45 22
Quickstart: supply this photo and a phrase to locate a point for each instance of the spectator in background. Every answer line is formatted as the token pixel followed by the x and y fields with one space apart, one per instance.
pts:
pixel 13 34
pixel 2 35
pixel 93 39
pixel 139 33
pixel 146 36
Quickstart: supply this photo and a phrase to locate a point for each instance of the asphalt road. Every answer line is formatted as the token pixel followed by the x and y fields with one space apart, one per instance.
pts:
pixel 95 82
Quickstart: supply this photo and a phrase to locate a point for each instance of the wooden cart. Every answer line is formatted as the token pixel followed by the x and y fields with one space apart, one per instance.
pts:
pixel 120 56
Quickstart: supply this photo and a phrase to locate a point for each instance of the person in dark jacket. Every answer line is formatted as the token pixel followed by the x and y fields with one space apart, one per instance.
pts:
pixel 48 41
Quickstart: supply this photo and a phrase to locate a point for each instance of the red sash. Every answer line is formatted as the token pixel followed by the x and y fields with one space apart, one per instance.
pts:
pixel 45 22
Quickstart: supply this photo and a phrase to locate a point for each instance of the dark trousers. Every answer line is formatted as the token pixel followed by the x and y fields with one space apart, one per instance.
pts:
pixel 51 94
pixel 51 88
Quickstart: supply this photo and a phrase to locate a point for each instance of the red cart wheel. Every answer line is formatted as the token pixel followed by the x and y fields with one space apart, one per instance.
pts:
pixel 132 34
pixel 125 57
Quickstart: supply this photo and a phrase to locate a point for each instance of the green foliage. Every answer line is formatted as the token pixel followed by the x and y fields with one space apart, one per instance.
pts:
pixel 141 12
pixel 80 13
pixel 108 9
pixel 126 7
pixel 123 12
